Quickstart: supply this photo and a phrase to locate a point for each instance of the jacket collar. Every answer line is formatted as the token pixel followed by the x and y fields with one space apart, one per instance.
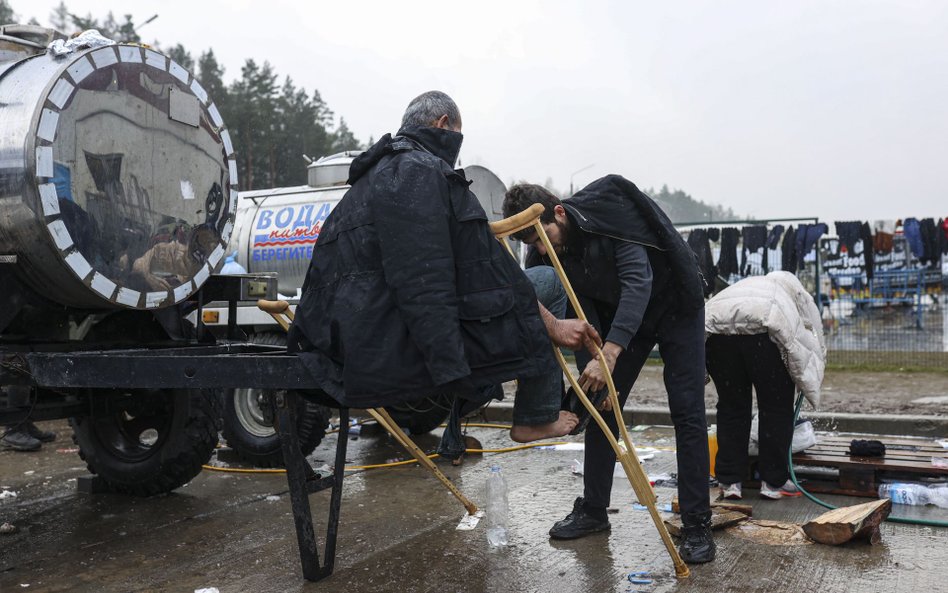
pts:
pixel 444 144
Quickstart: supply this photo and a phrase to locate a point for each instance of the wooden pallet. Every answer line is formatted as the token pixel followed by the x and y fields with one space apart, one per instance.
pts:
pixel 905 458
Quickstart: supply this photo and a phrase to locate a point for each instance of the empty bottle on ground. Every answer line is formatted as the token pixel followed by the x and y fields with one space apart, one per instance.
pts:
pixel 496 508
pixel 915 494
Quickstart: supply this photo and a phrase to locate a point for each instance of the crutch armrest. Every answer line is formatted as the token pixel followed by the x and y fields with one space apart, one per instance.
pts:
pixel 517 222
pixel 273 307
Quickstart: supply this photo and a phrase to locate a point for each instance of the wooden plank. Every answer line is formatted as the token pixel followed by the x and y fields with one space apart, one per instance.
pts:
pixel 846 523
pixel 720 518
pixel 875 462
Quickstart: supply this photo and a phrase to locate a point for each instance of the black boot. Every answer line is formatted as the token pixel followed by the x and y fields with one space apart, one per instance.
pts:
pixel 18 439
pixel 580 522
pixel 39 434
pixel 697 544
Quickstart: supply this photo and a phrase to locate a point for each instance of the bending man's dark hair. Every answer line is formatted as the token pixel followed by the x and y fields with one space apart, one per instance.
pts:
pixel 427 108
pixel 522 196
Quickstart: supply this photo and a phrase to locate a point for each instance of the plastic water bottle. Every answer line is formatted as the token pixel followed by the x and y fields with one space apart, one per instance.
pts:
pixel 496 508
pixel 915 494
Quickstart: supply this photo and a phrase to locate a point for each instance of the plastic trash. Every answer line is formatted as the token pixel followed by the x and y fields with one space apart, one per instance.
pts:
pixel 497 508
pixel 908 493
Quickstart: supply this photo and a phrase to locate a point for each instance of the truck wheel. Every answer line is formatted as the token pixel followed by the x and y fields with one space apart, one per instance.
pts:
pixel 423 416
pixel 248 427
pixel 248 422
pixel 149 442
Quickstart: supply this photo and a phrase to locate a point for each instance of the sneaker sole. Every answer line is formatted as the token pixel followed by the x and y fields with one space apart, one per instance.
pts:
pixel 579 535
pixel 779 495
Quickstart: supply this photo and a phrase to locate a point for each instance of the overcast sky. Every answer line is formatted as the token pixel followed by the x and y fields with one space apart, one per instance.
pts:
pixel 822 108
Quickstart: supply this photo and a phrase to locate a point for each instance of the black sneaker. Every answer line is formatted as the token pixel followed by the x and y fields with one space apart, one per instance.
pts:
pixel 578 523
pixel 697 544
pixel 572 403
pixel 39 434
pixel 19 440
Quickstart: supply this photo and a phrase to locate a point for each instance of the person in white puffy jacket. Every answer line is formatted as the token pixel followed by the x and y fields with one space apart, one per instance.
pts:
pixel 764 332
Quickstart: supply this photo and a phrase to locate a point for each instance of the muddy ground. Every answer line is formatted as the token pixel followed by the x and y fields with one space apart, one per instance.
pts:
pixel 853 392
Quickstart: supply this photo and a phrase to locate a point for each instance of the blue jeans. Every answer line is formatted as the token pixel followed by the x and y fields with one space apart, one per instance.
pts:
pixel 539 398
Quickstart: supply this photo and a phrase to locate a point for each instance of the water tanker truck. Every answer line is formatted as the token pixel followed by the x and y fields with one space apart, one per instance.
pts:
pixel 118 188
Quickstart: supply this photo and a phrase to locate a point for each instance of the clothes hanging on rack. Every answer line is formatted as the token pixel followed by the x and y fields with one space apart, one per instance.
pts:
pixel 882 242
pixel 849 232
pixel 788 251
pixel 754 238
pixel 727 260
pixel 698 241
pixel 913 235
pixel 773 237
pixel 806 239
pixel 943 226
pixel 930 239
pixel 714 234
pixel 865 233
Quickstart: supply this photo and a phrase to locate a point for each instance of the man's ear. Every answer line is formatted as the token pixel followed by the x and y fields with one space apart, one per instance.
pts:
pixel 442 122
pixel 559 212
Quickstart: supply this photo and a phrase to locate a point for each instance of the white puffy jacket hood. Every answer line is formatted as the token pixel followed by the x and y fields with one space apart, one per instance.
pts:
pixel 778 305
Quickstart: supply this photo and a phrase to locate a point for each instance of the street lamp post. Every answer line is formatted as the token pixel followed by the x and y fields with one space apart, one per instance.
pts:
pixel 573 174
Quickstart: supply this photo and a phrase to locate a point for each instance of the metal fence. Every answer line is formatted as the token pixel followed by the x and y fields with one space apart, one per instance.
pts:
pixel 895 319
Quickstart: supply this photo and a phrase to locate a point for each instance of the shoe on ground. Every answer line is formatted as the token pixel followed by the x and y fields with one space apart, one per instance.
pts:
pixel 578 523
pixel 731 491
pixel 788 490
pixel 697 543
pixel 39 434
pixel 19 440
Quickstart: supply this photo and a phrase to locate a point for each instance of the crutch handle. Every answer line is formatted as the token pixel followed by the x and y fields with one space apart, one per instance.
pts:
pixel 517 222
pixel 273 307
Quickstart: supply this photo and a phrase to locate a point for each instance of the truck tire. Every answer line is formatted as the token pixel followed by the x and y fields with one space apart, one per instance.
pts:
pixel 423 416
pixel 152 444
pixel 248 425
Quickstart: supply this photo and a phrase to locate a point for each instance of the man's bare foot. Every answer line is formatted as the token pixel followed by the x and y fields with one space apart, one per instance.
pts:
pixel 561 427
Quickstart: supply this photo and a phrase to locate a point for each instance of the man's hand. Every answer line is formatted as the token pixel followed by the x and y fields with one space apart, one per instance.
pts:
pixel 593 379
pixel 570 333
pixel 575 334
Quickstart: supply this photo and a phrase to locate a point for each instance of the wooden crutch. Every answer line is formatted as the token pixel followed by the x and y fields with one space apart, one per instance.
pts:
pixel 281 312
pixel 628 458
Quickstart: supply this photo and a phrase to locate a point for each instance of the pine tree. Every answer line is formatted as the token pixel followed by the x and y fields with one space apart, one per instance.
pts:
pixel 7 16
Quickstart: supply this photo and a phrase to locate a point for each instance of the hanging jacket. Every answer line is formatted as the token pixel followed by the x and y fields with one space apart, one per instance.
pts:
pixel 807 237
pixel 868 254
pixel 849 233
pixel 911 228
pixel 930 238
pixel 753 239
pixel 408 293
pixel 788 251
pixel 727 259
pixel 778 305
pixel 773 237
pixel 698 241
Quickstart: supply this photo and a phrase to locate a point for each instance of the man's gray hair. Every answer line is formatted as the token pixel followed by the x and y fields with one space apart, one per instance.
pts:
pixel 427 108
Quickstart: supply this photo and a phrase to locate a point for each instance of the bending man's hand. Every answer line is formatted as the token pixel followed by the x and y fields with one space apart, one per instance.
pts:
pixel 593 379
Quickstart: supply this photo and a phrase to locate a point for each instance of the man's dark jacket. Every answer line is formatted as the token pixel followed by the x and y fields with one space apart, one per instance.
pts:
pixel 613 209
pixel 408 293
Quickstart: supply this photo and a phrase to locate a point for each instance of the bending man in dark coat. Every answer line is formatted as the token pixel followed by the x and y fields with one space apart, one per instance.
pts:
pixel 408 293
pixel 638 283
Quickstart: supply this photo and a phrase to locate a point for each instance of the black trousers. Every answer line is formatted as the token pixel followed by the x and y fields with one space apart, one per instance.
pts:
pixel 680 338
pixel 736 363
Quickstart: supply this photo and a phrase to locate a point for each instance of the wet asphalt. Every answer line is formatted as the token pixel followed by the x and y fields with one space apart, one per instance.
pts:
pixel 235 532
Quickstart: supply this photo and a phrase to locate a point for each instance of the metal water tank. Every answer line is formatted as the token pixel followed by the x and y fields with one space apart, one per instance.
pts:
pixel 117 177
